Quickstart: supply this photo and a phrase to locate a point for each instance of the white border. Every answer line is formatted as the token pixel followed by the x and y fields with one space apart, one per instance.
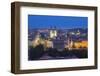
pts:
pixel 25 64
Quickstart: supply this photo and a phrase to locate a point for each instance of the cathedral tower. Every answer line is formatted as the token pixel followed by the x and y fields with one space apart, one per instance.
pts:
pixel 53 32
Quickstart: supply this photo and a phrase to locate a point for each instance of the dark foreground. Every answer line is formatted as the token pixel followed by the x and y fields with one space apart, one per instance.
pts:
pixel 38 53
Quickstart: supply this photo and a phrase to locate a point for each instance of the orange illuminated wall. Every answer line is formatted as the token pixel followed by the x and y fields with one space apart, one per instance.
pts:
pixel 81 44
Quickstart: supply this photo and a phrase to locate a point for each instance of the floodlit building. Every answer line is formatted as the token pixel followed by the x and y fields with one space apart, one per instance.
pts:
pixel 59 39
pixel 81 44
pixel 48 44
pixel 36 41
pixel 53 32
pixel 69 43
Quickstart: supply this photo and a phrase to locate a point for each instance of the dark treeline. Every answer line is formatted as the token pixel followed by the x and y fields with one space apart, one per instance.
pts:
pixel 37 52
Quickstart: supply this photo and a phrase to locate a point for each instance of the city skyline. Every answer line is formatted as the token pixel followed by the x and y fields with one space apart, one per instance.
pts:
pixel 57 37
pixel 60 22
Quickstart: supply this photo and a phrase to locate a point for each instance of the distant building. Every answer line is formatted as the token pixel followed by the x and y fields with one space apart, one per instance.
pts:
pixel 77 44
pixel 53 32
pixel 58 44
pixel 81 44
pixel 48 44
pixel 45 42
pixel 58 38
pixel 36 41
pixel 70 43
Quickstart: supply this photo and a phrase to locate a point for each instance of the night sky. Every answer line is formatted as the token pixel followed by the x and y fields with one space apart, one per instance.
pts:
pixel 63 22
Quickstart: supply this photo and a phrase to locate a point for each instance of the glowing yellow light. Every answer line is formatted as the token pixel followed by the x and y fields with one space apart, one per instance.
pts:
pixel 82 44
pixel 53 33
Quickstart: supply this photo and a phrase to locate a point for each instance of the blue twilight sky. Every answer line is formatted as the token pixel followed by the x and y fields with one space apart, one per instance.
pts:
pixel 64 22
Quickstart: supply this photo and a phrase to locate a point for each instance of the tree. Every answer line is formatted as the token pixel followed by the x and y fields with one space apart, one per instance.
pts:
pixel 36 53
pixel 53 52
pixel 64 53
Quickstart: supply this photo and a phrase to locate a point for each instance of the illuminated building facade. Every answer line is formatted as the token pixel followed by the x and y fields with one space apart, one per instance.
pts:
pixel 59 39
pixel 53 32
pixel 81 44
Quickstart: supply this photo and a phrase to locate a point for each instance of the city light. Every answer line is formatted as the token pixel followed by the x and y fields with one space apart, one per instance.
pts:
pixel 52 38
